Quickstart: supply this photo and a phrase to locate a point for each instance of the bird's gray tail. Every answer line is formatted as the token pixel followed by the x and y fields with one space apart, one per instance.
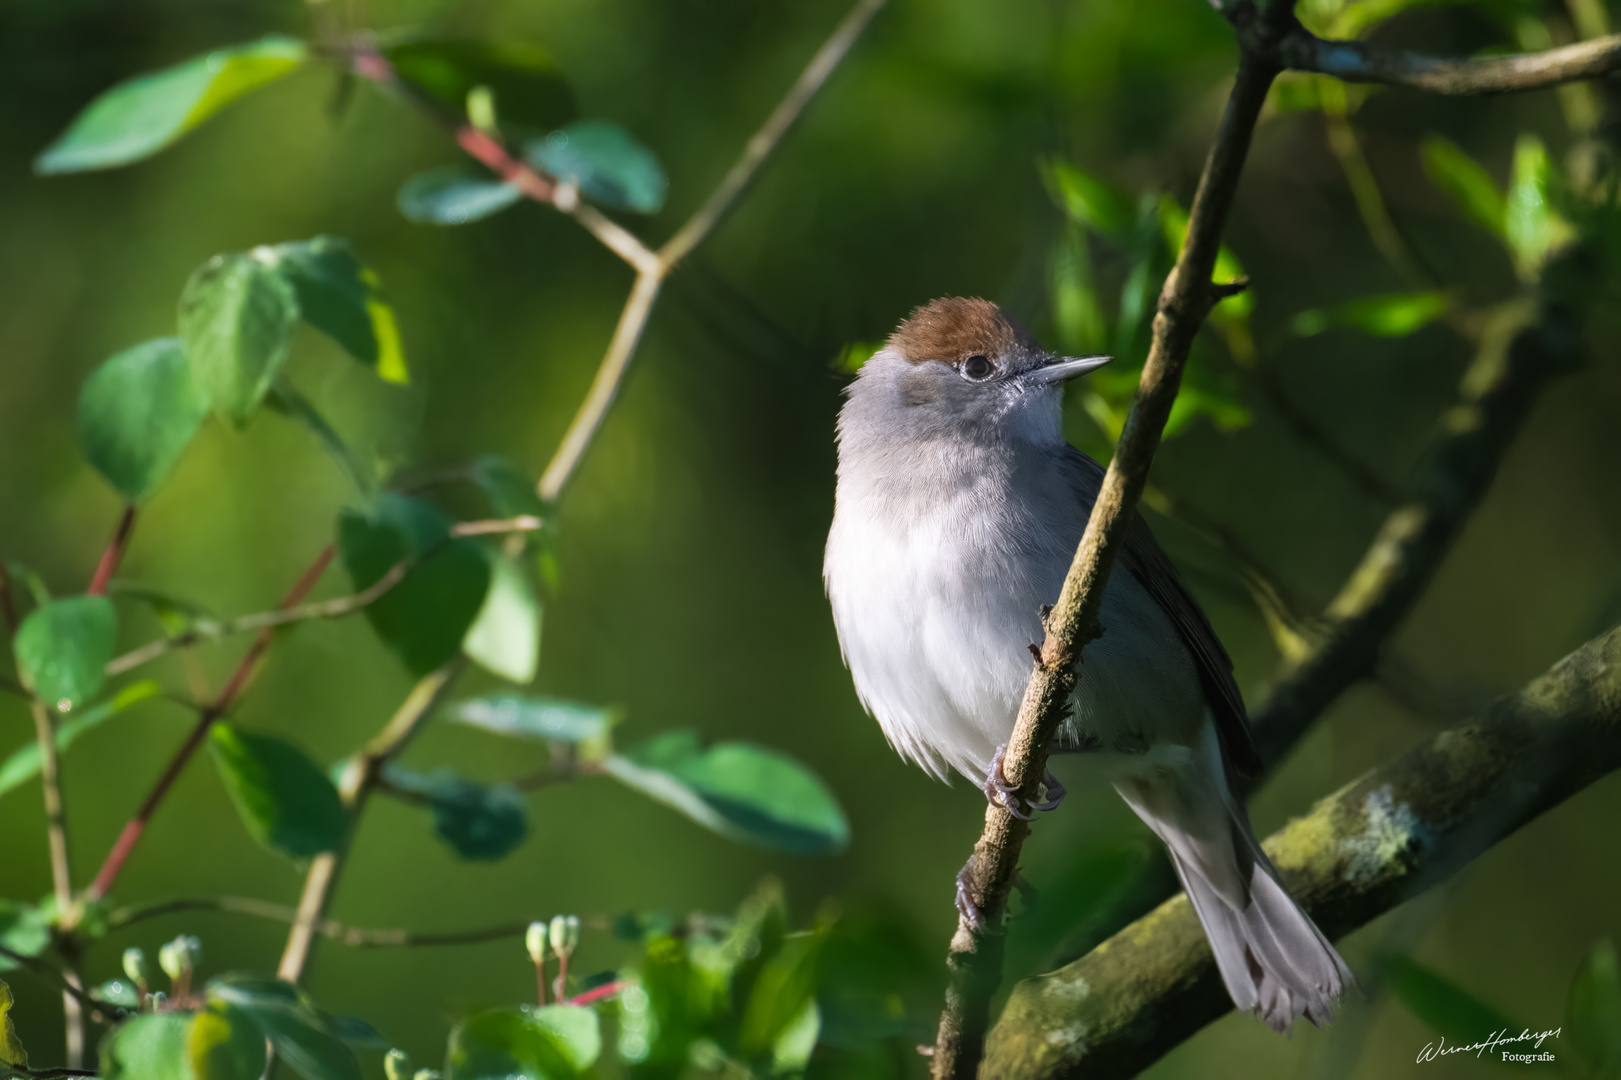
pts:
pixel 1275 962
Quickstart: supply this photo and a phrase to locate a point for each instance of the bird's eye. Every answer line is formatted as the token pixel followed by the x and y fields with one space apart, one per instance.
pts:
pixel 978 368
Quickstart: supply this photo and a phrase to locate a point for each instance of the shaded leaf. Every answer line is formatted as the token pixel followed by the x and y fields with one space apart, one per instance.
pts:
pixel 284 798
pixel 302 1035
pixel 480 822
pixel 546 719
pixel 1593 1010
pixel 1396 315
pixel 22 765
pixel 25 929
pixel 223 1043
pixel 1091 202
pixel 511 491
pixel 150 1047
pixel 782 990
pixel 11 1047
pixel 605 162
pixel 137 412
pixel 237 315
pixel 505 636
pixel 1462 180
pixel 424 617
pixel 742 791
pixel 341 298
pixel 141 116
pixel 525 82
pixel 453 197
pixel 62 649
pixel 286 399
pixel 1445 1006
pixel 553 1042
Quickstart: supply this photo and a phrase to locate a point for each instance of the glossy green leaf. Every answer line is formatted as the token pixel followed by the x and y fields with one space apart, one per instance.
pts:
pixel 1396 315
pixel 505 636
pixel 480 822
pixel 742 791
pixel 1445 1006
pixel 525 83
pixel 223 1043
pixel 454 197
pixel 545 719
pixel 11 1047
pixel 1593 1010
pixel 342 298
pixel 25 929
pixel 23 764
pixel 137 412
pixel 554 1042
pixel 303 1036
pixel 285 799
pixel 237 315
pixel 62 649
pixel 1461 178
pixel 424 617
pixel 605 162
pixel 286 399
pixel 141 116
pixel 1531 225
pixel 511 491
pixel 1091 202
pixel 150 1047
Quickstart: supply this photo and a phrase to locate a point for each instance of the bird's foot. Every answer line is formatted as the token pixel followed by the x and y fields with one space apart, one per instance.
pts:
pixel 998 792
pixel 966 906
pixel 1055 793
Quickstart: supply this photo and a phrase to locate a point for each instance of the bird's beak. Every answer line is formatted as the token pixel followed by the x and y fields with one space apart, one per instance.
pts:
pixel 1061 368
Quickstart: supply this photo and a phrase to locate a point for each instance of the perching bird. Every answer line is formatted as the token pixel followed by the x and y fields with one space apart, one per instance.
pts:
pixel 959 508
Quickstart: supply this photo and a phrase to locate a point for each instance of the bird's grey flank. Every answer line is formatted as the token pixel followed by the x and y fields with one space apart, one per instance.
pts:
pixel 958 511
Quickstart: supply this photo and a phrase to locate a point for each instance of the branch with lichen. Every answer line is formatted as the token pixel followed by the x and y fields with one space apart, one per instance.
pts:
pixel 1379 841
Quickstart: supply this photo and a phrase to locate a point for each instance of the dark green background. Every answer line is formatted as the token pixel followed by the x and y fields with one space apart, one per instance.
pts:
pixel 692 535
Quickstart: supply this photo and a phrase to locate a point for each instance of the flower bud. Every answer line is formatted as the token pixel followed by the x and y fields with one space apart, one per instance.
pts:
pixel 564 934
pixel 135 968
pixel 397 1065
pixel 180 957
pixel 534 939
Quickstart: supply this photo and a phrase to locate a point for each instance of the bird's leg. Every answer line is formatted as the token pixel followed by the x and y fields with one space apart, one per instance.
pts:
pixel 966 907
pixel 1055 793
pixel 998 792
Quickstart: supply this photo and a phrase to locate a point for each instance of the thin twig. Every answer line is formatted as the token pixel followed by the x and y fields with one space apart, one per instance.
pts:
pixel 114 553
pixel 60 981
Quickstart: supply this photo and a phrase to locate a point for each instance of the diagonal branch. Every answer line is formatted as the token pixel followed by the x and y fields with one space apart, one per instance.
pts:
pixel 1399 830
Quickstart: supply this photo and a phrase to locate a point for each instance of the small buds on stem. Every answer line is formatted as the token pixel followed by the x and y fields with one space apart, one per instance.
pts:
pixel 178 959
pixel 135 968
pixel 564 936
pixel 534 940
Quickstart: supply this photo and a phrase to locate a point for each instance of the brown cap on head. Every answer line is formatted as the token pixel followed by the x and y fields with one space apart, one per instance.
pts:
pixel 954 327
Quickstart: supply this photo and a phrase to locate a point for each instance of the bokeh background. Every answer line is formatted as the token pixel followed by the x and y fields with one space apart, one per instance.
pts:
pixel 691 541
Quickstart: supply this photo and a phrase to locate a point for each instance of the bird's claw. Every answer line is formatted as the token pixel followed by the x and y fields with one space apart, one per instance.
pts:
pixel 998 792
pixel 1055 793
pixel 966 907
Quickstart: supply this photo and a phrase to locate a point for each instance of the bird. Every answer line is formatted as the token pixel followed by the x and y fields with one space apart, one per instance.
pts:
pixel 958 508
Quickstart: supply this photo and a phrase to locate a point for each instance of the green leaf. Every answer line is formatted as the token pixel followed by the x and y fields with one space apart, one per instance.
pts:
pixel 237 315
pixel 223 1043
pixel 605 162
pixel 117 992
pixel 22 765
pixel 1091 202
pixel 1593 1010
pixel 424 617
pixel 24 929
pixel 480 822
pixel 286 399
pixel 505 637
pixel 1531 225
pixel 137 412
pixel 453 197
pixel 791 1053
pixel 342 298
pixel 62 649
pixel 527 87
pixel 1445 1006
pixel 1077 315
pixel 285 800
pixel 1463 181
pixel 781 991
pixel 1395 315
pixel 511 491
pixel 546 719
pixel 141 116
pixel 854 356
pixel 553 1042
pixel 741 791
pixel 302 1034
pixel 11 1047
pixel 151 1047
pixel 1204 393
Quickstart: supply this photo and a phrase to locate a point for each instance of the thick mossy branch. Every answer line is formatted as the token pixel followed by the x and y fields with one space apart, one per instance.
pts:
pixel 1380 840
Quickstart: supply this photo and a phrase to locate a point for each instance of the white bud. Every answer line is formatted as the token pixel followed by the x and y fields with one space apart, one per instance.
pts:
pixel 564 934
pixel 534 939
pixel 135 965
pixel 179 958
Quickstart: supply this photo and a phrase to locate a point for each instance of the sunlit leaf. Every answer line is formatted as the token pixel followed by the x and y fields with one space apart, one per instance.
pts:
pixel 454 197
pixel 62 649
pixel 150 1047
pixel 1445 1006
pixel 742 791
pixel 793 1048
pixel 302 1035
pixel 23 764
pixel 341 298
pixel 482 822
pixel 554 1042
pixel 1531 225
pixel 224 1043
pixel 285 799
pixel 605 162
pixel 11 1047
pixel 854 356
pixel 25 929
pixel 424 617
pixel 141 116
pixel 1463 181
pixel 1593 1010
pixel 505 637
pixel 1396 315
pixel 137 412
pixel 1205 394
pixel 525 82
pixel 1174 224
pixel 1090 201
pixel 237 315
pixel 545 719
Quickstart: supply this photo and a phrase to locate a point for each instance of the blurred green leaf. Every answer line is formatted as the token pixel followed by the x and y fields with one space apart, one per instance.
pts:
pixel 782 989
pixel 1205 394
pixel 553 1042
pixel 25 929
pixel 454 196
pixel 526 84
pixel 117 992
pixel 285 800
pixel 511 491
pixel 1531 225
pixel 223 1043
pixel 237 315
pixel 1296 91
pixel 11 1047
pixel 342 298
pixel 137 412
pixel 62 649
pixel 1090 201
pixel 742 791
pixel 854 356
pixel 605 162
pixel 482 822
pixel 793 1048
pixel 1593 1010
pixel 23 764
pixel 1445 1006
pixel 286 399
pixel 150 1047
pixel 1077 314
pixel 302 1035
pixel 505 637
pixel 1461 178
pixel 141 116
pixel 1395 315
pixel 1174 225
pixel 424 617
pixel 545 719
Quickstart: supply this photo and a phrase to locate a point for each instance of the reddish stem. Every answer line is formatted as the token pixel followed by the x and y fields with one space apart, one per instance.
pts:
pixel 591 997
pixel 115 552
pixel 240 677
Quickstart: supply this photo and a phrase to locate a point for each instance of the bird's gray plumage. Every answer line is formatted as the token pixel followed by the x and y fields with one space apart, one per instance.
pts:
pixel 959 508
